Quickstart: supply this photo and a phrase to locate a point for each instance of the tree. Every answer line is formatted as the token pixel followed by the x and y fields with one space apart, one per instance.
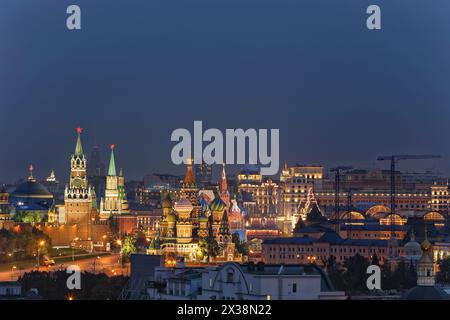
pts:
pixel 388 281
pixel 128 247
pixel 375 260
pixel 28 217
pixel 411 276
pixel 240 246
pixel 403 277
pixel 23 244
pixel 355 274
pixel 334 272
pixel 443 276
pixel 209 248
pixel 52 285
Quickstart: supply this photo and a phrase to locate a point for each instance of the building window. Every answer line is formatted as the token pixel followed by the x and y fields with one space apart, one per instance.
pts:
pixel 294 287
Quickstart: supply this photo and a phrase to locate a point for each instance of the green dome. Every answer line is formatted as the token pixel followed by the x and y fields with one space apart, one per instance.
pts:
pixel 32 189
pixel 217 204
pixel 171 217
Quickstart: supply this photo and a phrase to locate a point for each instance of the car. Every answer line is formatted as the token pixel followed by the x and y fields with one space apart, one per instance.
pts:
pixel 48 262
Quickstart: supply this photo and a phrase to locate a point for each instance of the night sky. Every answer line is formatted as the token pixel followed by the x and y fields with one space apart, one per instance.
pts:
pixel 138 69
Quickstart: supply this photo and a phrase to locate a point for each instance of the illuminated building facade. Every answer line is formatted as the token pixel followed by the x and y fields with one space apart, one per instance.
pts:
pixel 148 221
pixel 292 250
pixel 259 199
pixel 249 179
pixel 296 183
pixel 440 199
pixel 267 196
pixel 407 202
pixel 261 220
pixel 52 184
pixel 365 188
pixel 4 204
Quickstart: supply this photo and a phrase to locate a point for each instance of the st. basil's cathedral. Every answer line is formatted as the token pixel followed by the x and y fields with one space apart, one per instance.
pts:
pixel 193 217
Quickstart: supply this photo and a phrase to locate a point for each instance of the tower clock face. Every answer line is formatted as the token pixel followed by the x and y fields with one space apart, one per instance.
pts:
pixel 77 182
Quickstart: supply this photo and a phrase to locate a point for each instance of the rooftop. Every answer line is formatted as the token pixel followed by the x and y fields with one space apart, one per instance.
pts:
pixel 31 189
pixel 327 237
pixel 426 293
pixel 10 284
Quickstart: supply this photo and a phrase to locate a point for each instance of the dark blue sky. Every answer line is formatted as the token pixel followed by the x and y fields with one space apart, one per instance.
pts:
pixel 339 93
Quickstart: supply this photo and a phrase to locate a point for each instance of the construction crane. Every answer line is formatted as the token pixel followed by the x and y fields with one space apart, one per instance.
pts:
pixel 337 181
pixel 349 210
pixel 349 213
pixel 394 159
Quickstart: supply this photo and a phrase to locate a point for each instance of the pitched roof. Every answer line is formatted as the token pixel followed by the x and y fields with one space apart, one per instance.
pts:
pixel 112 163
pixel 79 146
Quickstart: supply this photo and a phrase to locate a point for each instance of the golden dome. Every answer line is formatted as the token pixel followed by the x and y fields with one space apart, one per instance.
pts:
pixel 426 245
pixel 166 201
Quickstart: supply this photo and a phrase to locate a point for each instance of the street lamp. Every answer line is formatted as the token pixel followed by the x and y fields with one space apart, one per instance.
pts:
pixel 40 244
pixel 12 272
pixel 95 261
pixel 73 248
pixel 119 242
pixel 311 259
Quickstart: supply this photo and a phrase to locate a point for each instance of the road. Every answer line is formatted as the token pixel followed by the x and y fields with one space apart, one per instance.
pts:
pixel 109 264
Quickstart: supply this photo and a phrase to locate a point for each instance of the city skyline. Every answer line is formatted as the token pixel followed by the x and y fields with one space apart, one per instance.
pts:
pixel 234 169
pixel 135 74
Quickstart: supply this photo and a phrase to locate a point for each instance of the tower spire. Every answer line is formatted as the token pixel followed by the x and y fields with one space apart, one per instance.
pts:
pixel 223 188
pixel 112 163
pixel 30 169
pixel 189 179
pixel 224 228
pixel 79 147
pixel 223 180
